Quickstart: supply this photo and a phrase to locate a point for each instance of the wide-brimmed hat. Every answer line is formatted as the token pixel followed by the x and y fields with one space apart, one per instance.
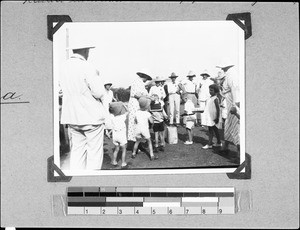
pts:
pixel 225 63
pixel 191 74
pixel 144 103
pixel 205 72
pixel 144 75
pixel 158 79
pixel 173 75
pixel 117 108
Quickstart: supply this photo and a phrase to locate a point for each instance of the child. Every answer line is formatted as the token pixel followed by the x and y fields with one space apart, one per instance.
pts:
pixel 142 119
pixel 189 117
pixel 158 115
pixel 119 112
pixel 212 116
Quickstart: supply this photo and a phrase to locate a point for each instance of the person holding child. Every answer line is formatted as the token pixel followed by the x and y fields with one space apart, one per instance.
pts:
pixel 158 116
pixel 212 117
pixel 119 112
pixel 142 120
pixel 137 90
pixel 158 90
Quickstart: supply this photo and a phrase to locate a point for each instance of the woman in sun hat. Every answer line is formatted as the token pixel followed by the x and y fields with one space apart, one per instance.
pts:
pixel 137 90
pixel 203 90
pixel 231 93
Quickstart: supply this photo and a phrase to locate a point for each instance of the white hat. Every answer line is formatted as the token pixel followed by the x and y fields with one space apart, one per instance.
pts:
pixel 158 79
pixel 191 74
pixel 107 83
pixel 205 72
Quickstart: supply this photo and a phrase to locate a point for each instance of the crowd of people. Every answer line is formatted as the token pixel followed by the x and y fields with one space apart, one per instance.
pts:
pixel 89 110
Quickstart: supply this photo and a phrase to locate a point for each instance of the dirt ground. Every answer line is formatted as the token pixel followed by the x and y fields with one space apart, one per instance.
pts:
pixel 175 155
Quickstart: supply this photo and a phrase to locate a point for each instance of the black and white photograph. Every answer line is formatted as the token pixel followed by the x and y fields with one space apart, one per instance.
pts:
pixel 154 97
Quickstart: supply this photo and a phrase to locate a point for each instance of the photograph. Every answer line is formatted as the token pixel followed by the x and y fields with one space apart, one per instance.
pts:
pixel 153 97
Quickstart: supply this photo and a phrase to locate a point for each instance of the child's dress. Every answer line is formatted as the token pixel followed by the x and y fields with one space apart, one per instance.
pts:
pixel 190 118
pixel 210 113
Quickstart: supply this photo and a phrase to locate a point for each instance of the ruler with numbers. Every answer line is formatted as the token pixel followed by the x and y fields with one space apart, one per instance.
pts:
pixel 150 201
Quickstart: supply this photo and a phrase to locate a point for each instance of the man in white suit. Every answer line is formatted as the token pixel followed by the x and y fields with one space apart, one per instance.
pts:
pixel 82 109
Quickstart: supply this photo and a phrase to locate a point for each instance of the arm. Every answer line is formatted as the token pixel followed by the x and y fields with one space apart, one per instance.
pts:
pixel 218 110
pixel 94 82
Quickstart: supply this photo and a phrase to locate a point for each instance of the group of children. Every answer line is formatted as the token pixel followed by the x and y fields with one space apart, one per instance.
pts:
pixel 152 115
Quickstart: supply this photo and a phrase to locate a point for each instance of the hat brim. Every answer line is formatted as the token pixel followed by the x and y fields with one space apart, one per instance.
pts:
pixel 173 76
pixel 143 75
pixel 224 67
pixel 203 74
pixel 191 75
pixel 78 48
pixel 108 84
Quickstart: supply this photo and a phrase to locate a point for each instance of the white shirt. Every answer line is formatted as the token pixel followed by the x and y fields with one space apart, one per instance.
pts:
pixel 142 118
pixel 172 87
pixel 189 86
pixel 159 90
pixel 204 89
pixel 82 88
pixel 119 122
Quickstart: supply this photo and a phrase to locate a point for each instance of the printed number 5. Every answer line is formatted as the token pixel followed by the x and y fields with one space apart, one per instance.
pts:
pixel 120 211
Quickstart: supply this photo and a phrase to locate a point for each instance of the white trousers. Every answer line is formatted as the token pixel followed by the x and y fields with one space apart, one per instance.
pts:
pixel 86 147
pixel 174 104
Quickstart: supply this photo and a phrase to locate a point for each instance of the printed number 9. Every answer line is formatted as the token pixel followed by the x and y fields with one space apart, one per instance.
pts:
pixel 220 211
pixel 153 211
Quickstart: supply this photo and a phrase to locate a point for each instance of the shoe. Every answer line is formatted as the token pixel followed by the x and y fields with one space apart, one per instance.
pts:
pixel 125 167
pixel 217 145
pixel 114 165
pixel 161 148
pixel 188 143
pixel 153 157
pixel 133 156
pixel 155 150
pixel 207 147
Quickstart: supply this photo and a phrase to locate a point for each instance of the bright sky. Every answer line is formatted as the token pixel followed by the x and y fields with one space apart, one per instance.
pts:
pixel 124 48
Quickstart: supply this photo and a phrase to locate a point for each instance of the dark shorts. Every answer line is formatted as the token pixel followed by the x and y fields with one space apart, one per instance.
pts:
pixel 158 127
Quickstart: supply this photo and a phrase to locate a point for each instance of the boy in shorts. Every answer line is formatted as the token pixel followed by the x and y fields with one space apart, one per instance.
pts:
pixel 119 112
pixel 159 116
pixel 142 119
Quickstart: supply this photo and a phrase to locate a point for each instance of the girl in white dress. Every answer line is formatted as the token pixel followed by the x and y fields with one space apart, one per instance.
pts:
pixel 212 117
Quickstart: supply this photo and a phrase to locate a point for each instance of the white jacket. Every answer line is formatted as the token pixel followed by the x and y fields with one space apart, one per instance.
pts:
pixel 83 90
